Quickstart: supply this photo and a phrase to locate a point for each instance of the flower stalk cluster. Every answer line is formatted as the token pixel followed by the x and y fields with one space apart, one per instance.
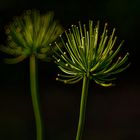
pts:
pixel 87 53
pixel 81 54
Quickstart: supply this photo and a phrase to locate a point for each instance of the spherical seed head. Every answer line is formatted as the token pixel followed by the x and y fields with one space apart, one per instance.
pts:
pixel 89 54
pixel 29 31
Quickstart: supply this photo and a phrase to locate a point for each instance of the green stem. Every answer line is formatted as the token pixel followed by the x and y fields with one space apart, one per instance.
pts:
pixel 34 96
pixel 82 107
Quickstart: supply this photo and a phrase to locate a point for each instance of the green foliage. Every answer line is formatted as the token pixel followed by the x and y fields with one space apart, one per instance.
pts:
pixel 30 34
pixel 87 53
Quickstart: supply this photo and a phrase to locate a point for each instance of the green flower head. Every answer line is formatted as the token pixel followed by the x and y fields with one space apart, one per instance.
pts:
pixel 88 53
pixel 31 33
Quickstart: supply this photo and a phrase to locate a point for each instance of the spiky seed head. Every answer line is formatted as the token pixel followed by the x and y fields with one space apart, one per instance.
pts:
pixel 89 53
pixel 34 33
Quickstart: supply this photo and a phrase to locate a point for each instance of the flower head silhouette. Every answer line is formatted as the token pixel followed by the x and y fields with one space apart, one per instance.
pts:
pixel 87 55
pixel 30 35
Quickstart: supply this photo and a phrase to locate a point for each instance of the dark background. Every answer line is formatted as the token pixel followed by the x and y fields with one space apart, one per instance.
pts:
pixel 112 113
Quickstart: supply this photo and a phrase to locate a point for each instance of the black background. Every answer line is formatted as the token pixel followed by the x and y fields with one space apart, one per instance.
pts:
pixel 112 113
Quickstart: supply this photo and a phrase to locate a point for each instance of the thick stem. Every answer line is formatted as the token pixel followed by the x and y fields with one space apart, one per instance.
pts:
pixel 34 95
pixel 82 107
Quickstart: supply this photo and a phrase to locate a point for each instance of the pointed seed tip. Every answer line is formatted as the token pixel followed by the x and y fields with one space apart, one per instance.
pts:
pixel 65 81
pixel 58 60
pixel 120 57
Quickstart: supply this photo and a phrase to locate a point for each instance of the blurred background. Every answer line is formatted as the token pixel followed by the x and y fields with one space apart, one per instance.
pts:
pixel 112 113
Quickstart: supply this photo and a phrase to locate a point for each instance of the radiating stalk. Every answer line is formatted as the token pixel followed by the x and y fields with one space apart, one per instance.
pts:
pixel 82 107
pixel 34 95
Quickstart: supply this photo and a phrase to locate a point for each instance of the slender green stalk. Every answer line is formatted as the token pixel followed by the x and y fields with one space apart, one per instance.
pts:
pixel 34 96
pixel 82 107
pixel 31 35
